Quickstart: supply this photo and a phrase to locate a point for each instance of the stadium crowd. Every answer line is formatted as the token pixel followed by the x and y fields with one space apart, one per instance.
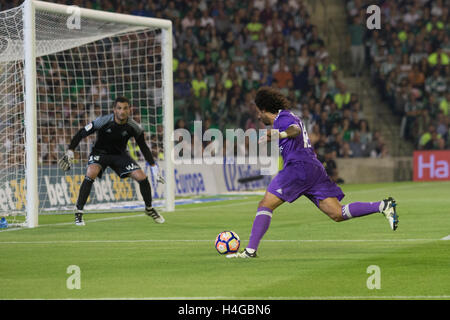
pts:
pixel 409 63
pixel 225 50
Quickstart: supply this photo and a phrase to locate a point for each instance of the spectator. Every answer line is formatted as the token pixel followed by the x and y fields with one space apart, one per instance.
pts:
pixel 357 147
pixel 198 83
pixel 346 151
pixel 314 42
pixel 377 147
pixel 314 135
pixel 189 37
pixel 354 121
pixel 254 26
pixel 172 11
pixel 141 10
pixel 304 57
pixel 416 77
pixel 326 68
pixel 222 22
pixel 342 97
pixel 182 87
pixel 431 140
pixel 356 36
pixel 320 146
pixel 438 58
pixel 413 109
pixel 329 163
pixel 282 74
pixel 443 105
pixel 188 21
pixel 345 130
pixel 365 134
pixel 435 84
pixel 296 40
pixel 206 19
pixel 442 125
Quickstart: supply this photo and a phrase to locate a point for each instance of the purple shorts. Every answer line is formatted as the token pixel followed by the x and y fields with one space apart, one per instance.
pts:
pixel 304 178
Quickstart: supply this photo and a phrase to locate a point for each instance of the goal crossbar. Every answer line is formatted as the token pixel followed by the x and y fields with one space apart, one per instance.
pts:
pixel 104 15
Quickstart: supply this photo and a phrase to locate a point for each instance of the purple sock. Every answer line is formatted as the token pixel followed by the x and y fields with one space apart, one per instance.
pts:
pixel 359 209
pixel 260 226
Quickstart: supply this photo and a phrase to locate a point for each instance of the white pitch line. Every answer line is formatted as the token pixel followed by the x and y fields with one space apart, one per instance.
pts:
pixel 134 216
pixel 271 298
pixel 221 205
pixel 446 238
pixel 204 240
pixel 93 220
pixel 71 223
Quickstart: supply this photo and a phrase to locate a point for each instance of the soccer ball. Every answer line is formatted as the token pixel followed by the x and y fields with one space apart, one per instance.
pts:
pixel 227 242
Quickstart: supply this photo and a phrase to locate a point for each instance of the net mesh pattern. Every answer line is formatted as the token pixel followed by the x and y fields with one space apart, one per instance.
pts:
pixel 79 74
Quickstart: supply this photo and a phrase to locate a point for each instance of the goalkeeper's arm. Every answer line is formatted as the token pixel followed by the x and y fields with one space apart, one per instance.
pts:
pixel 67 160
pixel 77 138
pixel 145 149
pixel 149 157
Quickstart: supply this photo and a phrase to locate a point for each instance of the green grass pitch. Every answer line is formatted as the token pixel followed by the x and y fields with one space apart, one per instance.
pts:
pixel 304 255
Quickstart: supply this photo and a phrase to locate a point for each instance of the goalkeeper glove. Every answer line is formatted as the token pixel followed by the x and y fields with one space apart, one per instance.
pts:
pixel 156 174
pixel 66 161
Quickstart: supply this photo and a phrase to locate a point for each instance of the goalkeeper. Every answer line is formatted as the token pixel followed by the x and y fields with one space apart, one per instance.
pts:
pixel 109 150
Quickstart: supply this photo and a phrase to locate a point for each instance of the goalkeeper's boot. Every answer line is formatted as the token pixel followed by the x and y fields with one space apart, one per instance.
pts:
pixel 151 212
pixel 79 218
pixel 390 213
pixel 247 253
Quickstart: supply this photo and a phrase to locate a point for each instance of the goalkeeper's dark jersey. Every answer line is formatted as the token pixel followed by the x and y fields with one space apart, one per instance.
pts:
pixel 112 138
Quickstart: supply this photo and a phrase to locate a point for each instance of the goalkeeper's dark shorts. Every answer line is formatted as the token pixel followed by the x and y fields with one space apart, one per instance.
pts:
pixel 121 164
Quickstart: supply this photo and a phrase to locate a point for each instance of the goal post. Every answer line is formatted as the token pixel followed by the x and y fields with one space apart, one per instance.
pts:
pixel 31 156
pixel 68 64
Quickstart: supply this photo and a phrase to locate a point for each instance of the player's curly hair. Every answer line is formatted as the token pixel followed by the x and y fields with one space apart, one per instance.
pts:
pixel 271 100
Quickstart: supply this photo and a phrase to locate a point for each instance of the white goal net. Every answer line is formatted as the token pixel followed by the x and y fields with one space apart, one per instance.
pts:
pixel 84 60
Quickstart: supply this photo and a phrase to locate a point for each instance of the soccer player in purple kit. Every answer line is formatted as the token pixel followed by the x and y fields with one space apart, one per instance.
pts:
pixel 302 174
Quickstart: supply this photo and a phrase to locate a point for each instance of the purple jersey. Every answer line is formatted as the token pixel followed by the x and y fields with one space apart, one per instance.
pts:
pixel 298 148
pixel 303 174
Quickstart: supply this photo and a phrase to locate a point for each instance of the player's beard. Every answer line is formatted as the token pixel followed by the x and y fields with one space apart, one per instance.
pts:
pixel 266 120
pixel 121 118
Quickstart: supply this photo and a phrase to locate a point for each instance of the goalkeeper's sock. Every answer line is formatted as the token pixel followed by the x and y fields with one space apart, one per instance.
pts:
pixel 359 209
pixel 85 190
pixel 146 192
pixel 260 226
